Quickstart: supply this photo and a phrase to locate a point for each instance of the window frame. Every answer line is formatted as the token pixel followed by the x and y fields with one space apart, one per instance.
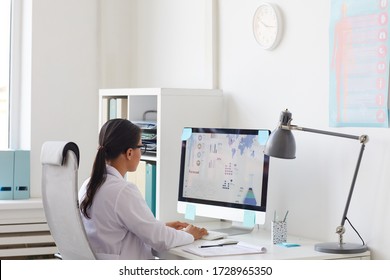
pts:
pixel 7 84
pixel 20 75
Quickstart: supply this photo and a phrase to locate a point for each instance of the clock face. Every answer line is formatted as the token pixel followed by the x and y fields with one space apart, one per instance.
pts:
pixel 267 26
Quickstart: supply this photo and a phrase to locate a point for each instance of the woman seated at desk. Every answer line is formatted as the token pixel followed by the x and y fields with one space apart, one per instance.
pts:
pixel 117 220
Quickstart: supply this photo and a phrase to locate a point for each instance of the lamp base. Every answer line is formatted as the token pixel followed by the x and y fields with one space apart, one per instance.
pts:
pixel 337 248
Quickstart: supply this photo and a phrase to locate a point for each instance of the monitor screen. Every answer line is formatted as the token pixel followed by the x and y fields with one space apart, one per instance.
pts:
pixel 224 172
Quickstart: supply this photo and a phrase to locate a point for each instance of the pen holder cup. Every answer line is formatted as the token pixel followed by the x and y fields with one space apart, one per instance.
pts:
pixel 279 232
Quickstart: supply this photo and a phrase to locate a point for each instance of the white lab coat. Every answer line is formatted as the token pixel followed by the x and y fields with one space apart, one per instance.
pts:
pixel 122 225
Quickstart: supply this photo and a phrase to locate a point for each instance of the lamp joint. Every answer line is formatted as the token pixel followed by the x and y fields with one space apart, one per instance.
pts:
pixel 363 139
pixel 340 230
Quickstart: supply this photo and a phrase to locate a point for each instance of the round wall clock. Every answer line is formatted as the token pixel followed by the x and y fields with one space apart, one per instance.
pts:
pixel 267 26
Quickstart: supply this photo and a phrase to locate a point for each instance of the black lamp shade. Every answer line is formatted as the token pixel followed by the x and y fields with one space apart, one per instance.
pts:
pixel 281 144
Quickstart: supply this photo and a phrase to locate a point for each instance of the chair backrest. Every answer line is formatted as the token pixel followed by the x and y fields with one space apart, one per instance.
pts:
pixel 60 161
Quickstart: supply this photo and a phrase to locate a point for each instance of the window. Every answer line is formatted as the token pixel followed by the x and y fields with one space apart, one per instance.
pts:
pixel 5 36
pixel 15 73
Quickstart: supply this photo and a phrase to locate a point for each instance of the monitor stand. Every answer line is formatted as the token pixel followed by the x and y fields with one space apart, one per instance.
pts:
pixel 236 228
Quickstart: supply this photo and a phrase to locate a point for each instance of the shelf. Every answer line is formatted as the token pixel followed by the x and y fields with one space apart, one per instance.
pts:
pixel 22 211
pixel 149 158
pixel 32 203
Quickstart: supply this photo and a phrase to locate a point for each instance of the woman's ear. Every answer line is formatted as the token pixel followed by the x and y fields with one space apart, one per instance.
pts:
pixel 129 153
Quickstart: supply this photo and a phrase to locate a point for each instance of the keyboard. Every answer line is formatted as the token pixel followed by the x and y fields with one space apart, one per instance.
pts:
pixel 214 235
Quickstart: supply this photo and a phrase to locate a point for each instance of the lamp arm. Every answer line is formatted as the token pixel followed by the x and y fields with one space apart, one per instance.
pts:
pixel 362 138
pixel 352 185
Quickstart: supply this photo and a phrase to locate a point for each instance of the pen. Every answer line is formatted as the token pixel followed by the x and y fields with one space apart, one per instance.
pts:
pixel 217 245
pixel 285 216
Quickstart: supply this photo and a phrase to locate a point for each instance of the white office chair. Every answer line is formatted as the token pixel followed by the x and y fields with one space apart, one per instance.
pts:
pixel 60 162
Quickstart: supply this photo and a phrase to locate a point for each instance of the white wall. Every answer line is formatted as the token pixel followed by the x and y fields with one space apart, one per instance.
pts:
pixel 148 43
pixel 117 43
pixel 64 89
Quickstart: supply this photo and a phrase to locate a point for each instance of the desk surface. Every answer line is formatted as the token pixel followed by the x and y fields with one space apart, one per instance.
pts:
pixel 261 237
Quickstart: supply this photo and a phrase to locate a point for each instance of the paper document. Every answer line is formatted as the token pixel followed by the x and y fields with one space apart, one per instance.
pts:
pixel 224 250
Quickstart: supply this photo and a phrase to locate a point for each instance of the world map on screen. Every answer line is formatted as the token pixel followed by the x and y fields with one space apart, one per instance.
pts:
pixel 224 167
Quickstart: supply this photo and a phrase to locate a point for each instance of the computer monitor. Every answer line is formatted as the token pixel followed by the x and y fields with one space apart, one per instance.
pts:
pixel 224 175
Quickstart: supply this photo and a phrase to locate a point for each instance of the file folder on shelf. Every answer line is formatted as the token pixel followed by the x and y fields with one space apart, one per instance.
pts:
pixel 112 109
pixel 21 174
pixel 6 174
pixel 150 187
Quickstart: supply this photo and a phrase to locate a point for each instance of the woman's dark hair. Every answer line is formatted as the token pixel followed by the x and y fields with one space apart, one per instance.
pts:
pixel 116 137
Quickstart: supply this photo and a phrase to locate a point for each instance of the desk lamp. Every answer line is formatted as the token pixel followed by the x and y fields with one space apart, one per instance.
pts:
pixel 281 144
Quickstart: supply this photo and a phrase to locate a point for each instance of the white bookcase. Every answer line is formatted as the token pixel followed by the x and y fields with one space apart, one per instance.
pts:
pixel 175 109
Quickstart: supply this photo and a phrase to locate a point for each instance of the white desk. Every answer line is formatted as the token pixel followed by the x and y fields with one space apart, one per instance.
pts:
pixel 261 237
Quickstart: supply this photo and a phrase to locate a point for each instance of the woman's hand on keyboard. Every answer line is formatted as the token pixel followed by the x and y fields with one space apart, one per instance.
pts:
pixel 196 232
pixel 177 225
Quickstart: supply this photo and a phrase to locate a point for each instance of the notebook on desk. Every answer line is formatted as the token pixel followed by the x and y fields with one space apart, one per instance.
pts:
pixel 210 250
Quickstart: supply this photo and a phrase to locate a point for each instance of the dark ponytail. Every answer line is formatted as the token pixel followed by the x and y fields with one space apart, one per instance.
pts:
pixel 116 137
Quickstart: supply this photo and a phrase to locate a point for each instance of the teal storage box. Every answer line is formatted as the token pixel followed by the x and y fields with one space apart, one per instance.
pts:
pixel 6 174
pixel 21 187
